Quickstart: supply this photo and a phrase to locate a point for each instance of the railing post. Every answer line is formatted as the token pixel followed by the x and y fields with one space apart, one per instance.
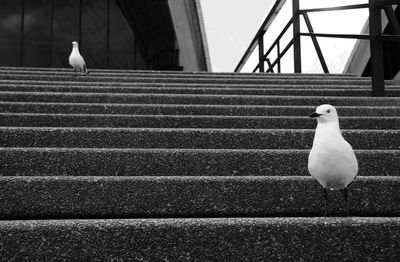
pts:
pixel 296 36
pixel 376 46
pixel 261 53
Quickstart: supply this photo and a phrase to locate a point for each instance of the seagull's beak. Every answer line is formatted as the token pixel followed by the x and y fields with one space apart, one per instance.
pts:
pixel 315 114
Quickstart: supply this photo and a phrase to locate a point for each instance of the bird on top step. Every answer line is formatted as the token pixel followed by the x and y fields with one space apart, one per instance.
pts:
pixel 76 60
pixel 332 161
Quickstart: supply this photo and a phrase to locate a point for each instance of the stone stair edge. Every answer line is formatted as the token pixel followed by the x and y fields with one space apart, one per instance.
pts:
pixel 191 95
pixel 8 68
pixel 195 99
pixel 180 80
pixel 154 197
pixel 223 239
pixel 305 117
pixel 192 121
pixel 178 162
pixel 187 138
pixel 308 107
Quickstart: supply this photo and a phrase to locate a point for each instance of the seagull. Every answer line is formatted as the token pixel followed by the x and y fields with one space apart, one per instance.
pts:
pixel 76 60
pixel 332 161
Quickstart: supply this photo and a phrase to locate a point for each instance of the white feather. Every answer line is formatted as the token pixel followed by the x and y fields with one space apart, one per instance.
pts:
pixel 76 60
pixel 332 161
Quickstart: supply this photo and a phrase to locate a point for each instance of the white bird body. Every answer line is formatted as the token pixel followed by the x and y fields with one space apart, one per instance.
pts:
pixel 332 161
pixel 76 60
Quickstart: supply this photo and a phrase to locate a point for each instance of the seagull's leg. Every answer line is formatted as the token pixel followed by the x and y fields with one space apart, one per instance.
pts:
pixel 346 195
pixel 326 201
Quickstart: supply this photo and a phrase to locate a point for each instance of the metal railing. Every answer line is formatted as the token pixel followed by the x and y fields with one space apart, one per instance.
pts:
pixel 375 37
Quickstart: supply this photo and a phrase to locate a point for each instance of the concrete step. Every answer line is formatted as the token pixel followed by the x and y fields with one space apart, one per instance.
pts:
pixel 64 85
pixel 338 91
pixel 43 75
pixel 271 79
pixel 196 99
pixel 201 239
pixel 176 109
pixel 178 162
pixel 187 138
pixel 157 121
pixel 149 73
pixel 154 197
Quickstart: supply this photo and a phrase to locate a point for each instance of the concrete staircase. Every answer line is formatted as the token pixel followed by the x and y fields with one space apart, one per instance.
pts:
pixel 168 166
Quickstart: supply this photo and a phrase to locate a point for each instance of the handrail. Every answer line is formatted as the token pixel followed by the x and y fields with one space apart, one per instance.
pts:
pixel 276 42
pixel 264 27
pixel 337 8
pixel 375 38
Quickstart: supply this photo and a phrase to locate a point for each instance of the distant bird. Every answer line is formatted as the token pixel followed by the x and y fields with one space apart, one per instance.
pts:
pixel 76 60
pixel 332 161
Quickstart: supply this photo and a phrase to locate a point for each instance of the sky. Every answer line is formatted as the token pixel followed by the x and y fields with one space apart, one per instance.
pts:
pixel 232 24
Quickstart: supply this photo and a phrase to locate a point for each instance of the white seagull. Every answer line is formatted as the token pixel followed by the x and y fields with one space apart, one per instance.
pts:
pixel 76 60
pixel 332 161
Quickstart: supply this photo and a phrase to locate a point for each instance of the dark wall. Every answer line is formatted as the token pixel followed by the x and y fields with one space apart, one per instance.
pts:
pixel 152 22
pixel 39 33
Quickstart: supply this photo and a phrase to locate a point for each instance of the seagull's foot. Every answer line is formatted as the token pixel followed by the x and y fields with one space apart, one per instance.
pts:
pixel 346 196
pixel 326 201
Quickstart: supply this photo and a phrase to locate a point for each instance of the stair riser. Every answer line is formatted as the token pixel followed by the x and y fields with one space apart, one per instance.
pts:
pixel 75 108
pixel 10 69
pixel 32 120
pixel 33 84
pixel 158 162
pixel 240 239
pixel 179 79
pixel 187 138
pixel 135 197
pixel 154 197
pixel 229 91
pixel 122 72
pixel 194 99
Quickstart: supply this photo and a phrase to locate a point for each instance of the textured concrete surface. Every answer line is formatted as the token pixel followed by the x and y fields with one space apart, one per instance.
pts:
pixel 232 239
pixel 187 138
pixel 201 196
pixel 193 197
pixel 179 109
pixel 157 121
pixel 178 162
pixel 128 72
pixel 180 79
pixel 339 91
pixel 195 99
pixel 199 84
pixel 136 197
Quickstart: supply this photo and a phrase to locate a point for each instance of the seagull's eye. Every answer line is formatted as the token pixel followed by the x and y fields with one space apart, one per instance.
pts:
pixel 328 111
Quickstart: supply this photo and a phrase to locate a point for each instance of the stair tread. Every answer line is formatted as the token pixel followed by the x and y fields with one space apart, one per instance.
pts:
pixel 184 109
pixel 191 166
pixel 142 197
pixel 222 239
pixel 178 162
pixel 192 121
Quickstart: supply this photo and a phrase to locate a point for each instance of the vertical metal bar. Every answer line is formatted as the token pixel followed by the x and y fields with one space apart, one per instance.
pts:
pixel 80 24
pixel 376 44
pixel 296 36
pixel 316 44
pixel 108 35
pixel 261 53
pixel 270 67
pixel 21 61
pixel 134 53
pixel 278 49
pixel 51 33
